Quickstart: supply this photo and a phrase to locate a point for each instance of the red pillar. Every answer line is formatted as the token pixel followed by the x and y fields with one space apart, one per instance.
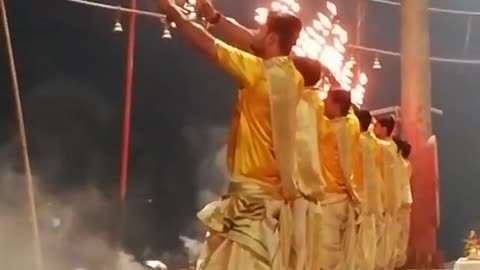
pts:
pixel 417 128
pixel 128 102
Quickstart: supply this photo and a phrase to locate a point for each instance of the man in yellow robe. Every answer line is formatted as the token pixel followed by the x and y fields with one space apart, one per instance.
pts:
pixel 368 183
pixel 388 228
pixel 403 217
pixel 310 183
pixel 250 228
pixel 338 139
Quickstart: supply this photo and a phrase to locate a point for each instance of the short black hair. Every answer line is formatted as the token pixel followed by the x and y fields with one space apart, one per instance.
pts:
pixel 406 150
pixel 387 122
pixel 287 26
pixel 310 69
pixel 364 117
pixel 342 98
pixel 398 142
pixel 403 147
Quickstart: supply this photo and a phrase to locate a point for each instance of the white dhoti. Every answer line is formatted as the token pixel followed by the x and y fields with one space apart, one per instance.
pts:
pixel 336 233
pixel 369 231
pixel 366 244
pixel 306 235
pixel 245 229
pixel 403 221
pixel 300 207
pixel 387 244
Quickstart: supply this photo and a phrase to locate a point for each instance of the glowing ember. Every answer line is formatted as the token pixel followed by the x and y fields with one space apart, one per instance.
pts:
pixel 324 41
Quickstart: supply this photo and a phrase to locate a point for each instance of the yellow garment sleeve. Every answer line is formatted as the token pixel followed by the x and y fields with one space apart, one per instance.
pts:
pixel 245 67
pixel 379 162
pixel 406 189
pixel 370 178
pixel 391 180
pixel 310 182
pixel 348 136
pixel 284 85
pixel 284 91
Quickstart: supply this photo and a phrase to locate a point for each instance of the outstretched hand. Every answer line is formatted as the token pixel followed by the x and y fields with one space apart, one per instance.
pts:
pixel 205 9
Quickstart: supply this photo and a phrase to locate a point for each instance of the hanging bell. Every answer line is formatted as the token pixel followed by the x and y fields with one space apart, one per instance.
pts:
pixel 166 29
pixel 117 27
pixel 376 64
pixel 166 33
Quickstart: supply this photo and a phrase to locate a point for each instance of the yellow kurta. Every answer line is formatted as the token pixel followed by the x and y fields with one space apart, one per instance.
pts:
pixel 261 157
pixel 405 188
pixel 368 173
pixel 338 139
pixel 309 183
pixel 250 145
pixel 330 149
pixel 309 121
pixel 389 172
pixel 403 217
pixel 388 227
pixel 368 177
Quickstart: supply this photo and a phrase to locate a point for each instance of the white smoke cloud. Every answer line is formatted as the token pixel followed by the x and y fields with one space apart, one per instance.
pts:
pixel 193 246
pixel 67 220
pixel 66 241
pixel 66 131
pixel 127 262
pixel 209 148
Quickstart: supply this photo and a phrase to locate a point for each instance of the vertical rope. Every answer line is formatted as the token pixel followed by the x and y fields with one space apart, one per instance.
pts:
pixel 37 251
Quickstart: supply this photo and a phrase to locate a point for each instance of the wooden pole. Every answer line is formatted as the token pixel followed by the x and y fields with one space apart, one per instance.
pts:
pixel 128 102
pixel 415 71
pixel 37 250
pixel 127 115
pixel 417 128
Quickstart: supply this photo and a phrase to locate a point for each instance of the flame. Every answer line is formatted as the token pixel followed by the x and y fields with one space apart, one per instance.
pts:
pixel 324 40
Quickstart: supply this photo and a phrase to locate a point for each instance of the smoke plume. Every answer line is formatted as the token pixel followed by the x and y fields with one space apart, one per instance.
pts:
pixel 69 127
pixel 207 145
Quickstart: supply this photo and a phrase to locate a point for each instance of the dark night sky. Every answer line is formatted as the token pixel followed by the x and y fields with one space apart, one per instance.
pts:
pixel 71 69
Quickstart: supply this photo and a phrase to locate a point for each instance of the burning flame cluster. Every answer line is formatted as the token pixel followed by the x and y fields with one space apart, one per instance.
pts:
pixel 324 40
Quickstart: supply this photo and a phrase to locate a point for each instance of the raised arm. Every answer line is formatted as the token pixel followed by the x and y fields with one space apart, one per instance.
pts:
pixel 232 30
pixel 235 32
pixel 244 67
pixel 194 33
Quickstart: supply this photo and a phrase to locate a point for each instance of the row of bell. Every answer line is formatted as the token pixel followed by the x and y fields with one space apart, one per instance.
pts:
pixel 167 35
pixel 376 63
pixel 166 30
